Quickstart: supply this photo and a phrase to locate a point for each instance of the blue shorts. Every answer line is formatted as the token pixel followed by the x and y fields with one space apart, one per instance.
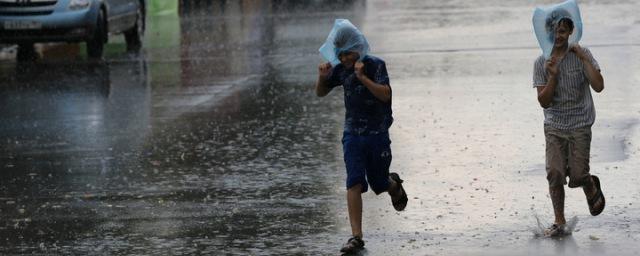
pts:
pixel 367 159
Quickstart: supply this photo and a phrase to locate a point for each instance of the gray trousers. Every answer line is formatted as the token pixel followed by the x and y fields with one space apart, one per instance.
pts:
pixel 567 154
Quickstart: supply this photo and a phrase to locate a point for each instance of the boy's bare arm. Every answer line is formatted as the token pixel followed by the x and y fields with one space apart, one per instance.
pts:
pixel 593 75
pixel 545 93
pixel 322 88
pixel 380 91
pixel 595 78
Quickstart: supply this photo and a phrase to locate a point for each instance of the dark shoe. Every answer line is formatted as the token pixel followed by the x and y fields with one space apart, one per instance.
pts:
pixel 400 202
pixel 555 230
pixel 353 245
pixel 599 197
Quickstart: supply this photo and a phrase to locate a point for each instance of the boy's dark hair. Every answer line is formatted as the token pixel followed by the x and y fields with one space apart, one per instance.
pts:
pixel 566 21
pixel 343 36
pixel 348 39
pixel 556 18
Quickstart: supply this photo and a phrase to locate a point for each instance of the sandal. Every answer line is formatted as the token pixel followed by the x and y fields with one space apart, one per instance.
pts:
pixel 554 230
pixel 353 244
pixel 400 203
pixel 595 199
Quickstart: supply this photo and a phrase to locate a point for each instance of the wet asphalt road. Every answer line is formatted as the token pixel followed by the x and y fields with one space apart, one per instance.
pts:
pixel 212 142
pixel 206 144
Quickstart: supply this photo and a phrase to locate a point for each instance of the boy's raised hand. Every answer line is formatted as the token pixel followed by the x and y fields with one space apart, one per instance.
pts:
pixel 551 67
pixel 324 69
pixel 578 51
pixel 359 69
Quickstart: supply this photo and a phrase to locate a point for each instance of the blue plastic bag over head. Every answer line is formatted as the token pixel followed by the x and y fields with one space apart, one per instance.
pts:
pixel 546 18
pixel 344 37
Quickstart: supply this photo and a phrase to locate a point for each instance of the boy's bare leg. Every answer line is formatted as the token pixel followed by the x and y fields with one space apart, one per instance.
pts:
pixel 557 199
pixel 354 205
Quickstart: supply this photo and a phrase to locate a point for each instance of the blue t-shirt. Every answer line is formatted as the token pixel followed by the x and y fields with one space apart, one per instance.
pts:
pixel 365 114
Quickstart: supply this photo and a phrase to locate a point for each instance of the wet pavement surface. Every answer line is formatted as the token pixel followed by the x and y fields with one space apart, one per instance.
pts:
pixel 212 141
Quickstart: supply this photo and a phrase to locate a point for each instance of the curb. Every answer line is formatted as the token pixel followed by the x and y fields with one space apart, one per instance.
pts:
pixel 8 51
pixel 44 50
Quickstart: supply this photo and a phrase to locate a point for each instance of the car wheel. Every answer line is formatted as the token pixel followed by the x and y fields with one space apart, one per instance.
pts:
pixel 95 45
pixel 26 52
pixel 133 36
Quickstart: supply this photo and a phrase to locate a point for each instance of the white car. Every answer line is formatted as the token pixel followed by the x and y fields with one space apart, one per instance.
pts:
pixel 25 22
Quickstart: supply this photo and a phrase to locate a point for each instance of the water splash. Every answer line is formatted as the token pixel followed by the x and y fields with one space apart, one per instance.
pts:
pixel 540 227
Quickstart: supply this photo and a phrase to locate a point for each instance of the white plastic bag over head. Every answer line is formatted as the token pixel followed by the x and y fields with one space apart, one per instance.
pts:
pixel 546 18
pixel 344 37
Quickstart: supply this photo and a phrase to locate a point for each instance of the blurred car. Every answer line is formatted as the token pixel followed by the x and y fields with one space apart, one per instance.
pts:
pixel 25 22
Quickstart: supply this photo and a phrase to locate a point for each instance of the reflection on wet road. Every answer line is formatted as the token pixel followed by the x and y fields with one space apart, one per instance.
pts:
pixel 212 141
pixel 209 143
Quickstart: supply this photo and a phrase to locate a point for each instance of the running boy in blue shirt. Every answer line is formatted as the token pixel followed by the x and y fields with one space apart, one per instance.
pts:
pixel 366 144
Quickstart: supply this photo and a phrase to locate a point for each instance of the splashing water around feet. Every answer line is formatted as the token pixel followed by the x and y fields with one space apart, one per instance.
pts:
pixel 541 228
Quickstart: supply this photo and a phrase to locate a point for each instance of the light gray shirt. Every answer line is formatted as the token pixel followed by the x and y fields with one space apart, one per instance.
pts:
pixel 572 104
